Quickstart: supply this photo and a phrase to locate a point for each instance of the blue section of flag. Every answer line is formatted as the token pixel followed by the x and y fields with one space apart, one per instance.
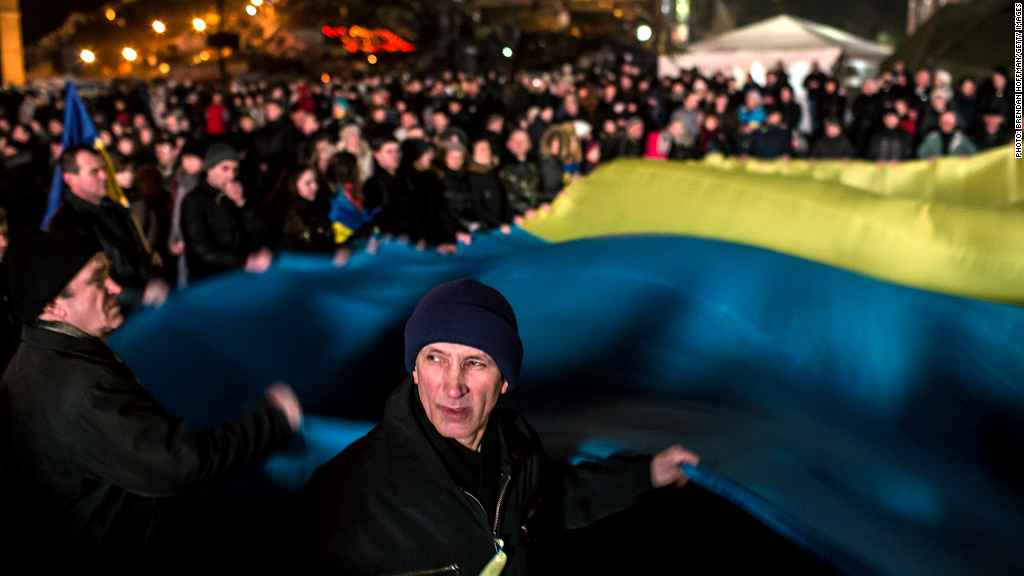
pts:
pixel 879 425
pixel 78 129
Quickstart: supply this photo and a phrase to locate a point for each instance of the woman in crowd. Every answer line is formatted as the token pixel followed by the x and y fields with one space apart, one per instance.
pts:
pixel 490 206
pixel 295 213
pixel 458 214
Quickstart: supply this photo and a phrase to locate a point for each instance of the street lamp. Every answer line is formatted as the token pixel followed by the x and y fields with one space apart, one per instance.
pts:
pixel 110 14
pixel 159 27
pixel 88 57
pixel 250 10
pixel 129 54
pixel 643 33
pixel 256 2
pixel 198 24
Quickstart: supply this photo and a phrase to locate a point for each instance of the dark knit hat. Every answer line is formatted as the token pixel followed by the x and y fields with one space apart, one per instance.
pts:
pixel 469 313
pixel 41 264
pixel 218 153
pixel 413 148
pixel 193 148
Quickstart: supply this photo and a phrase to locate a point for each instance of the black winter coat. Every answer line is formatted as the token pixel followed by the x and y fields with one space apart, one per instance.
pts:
pixel 458 201
pixel 93 453
pixel 490 205
pixel 387 504
pixel 886 144
pixel 392 194
pixel 219 236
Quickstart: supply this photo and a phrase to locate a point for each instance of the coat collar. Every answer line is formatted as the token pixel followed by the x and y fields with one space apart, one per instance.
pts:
pixel 410 454
pixel 62 337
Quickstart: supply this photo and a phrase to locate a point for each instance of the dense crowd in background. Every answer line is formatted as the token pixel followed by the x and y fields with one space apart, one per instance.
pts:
pixel 221 176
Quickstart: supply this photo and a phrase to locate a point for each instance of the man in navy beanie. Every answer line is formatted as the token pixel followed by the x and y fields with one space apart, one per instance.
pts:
pixel 447 483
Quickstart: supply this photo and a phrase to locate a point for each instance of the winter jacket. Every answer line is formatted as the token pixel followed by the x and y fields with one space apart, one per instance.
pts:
pixel 93 453
pixel 388 505
pixel 959 145
pixel 895 144
pixel 219 236
pixel 521 181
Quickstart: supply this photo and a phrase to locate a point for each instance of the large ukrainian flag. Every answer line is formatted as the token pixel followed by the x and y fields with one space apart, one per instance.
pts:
pixel 840 343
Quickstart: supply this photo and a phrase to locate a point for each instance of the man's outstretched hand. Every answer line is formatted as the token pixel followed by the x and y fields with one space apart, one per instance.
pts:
pixel 665 466
pixel 282 397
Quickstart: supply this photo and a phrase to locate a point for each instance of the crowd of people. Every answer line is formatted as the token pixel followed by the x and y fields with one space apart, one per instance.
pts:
pixel 220 177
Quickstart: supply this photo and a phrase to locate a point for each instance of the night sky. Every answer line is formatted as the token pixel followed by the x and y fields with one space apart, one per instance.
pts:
pixel 41 16
pixel 38 17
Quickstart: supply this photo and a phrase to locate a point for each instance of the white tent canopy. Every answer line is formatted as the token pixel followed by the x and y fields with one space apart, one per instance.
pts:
pixel 786 38
pixel 783 33
pixel 795 42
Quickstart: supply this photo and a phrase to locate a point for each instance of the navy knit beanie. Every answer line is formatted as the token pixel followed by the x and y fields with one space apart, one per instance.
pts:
pixel 469 313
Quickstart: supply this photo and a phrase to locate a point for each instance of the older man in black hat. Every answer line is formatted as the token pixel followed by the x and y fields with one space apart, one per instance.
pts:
pixel 90 451
pixel 447 484
pixel 221 230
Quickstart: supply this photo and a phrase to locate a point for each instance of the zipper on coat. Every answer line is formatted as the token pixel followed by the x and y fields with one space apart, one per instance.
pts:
pixel 498 545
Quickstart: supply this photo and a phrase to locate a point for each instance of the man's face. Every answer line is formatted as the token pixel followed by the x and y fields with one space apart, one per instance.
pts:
pixel 223 173
pixel 518 144
pixel 440 122
pixel 274 111
pixel 992 122
pixel 388 157
pixel 92 305
pixel 125 179
pixel 635 131
pixel 90 183
pixel 458 387
pixel 3 239
pixel 165 154
pixel 947 122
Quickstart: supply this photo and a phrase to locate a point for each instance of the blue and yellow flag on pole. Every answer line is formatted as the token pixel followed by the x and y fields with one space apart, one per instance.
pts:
pixel 79 130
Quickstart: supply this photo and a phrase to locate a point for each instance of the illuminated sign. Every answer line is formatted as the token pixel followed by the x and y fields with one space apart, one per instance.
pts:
pixel 359 39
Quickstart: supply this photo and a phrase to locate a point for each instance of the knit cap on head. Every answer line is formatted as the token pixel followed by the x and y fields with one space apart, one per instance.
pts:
pixel 218 153
pixel 41 264
pixel 469 313
pixel 193 148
